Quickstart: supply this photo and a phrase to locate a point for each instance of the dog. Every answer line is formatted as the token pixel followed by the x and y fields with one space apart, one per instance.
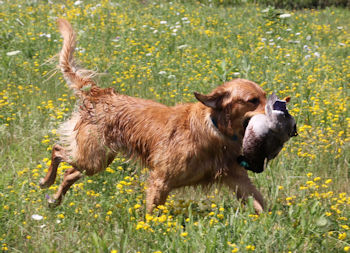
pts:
pixel 184 145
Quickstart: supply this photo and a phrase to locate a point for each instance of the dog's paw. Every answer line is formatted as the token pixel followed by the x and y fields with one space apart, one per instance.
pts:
pixel 43 184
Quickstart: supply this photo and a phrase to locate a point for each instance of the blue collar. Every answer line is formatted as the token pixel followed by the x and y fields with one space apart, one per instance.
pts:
pixel 233 137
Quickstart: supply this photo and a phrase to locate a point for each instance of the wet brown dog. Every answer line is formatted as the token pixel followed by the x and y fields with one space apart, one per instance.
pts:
pixel 188 144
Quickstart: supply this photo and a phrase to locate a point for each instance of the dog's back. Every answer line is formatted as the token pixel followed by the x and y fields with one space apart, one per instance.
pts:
pixel 107 123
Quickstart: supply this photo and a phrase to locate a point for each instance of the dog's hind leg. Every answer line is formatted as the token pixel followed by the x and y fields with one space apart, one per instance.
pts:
pixel 157 193
pixel 58 155
pixel 70 177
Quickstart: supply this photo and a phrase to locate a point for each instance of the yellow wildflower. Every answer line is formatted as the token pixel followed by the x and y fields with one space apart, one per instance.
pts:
pixel 342 236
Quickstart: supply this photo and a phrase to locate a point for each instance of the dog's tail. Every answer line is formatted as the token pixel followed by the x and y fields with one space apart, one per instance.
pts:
pixel 76 77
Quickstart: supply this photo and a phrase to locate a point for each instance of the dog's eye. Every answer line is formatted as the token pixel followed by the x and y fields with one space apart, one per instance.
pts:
pixel 254 101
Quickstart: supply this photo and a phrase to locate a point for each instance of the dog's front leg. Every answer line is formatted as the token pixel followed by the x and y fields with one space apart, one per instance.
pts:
pixel 241 184
pixel 58 155
pixel 70 177
pixel 157 192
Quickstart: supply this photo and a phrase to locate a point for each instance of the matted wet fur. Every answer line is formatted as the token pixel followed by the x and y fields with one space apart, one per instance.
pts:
pixel 183 145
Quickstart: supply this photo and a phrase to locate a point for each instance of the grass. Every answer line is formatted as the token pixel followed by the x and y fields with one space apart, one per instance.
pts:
pixel 165 51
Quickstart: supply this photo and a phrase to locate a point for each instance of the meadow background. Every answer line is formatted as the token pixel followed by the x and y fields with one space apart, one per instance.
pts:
pixel 165 51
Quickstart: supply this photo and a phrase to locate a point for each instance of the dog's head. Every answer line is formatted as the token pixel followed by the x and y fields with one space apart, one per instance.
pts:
pixel 233 104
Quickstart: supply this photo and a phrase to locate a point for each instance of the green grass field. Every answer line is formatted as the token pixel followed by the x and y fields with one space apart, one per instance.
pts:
pixel 165 51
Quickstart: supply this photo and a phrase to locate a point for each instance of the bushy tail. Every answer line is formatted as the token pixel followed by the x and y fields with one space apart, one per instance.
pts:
pixel 76 77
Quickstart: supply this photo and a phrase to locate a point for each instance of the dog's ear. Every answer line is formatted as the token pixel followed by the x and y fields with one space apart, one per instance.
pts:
pixel 212 100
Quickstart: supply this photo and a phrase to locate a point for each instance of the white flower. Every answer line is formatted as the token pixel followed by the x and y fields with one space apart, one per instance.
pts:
pixel 317 54
pixel 163 22
pixel 13 53
pixel 236 73
pixel 182 46
pixel 285 15
pixel 37 217
pixel 78 2
pixel 162 72
pixel 45 35
pixel 308 37
pixel 19 21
